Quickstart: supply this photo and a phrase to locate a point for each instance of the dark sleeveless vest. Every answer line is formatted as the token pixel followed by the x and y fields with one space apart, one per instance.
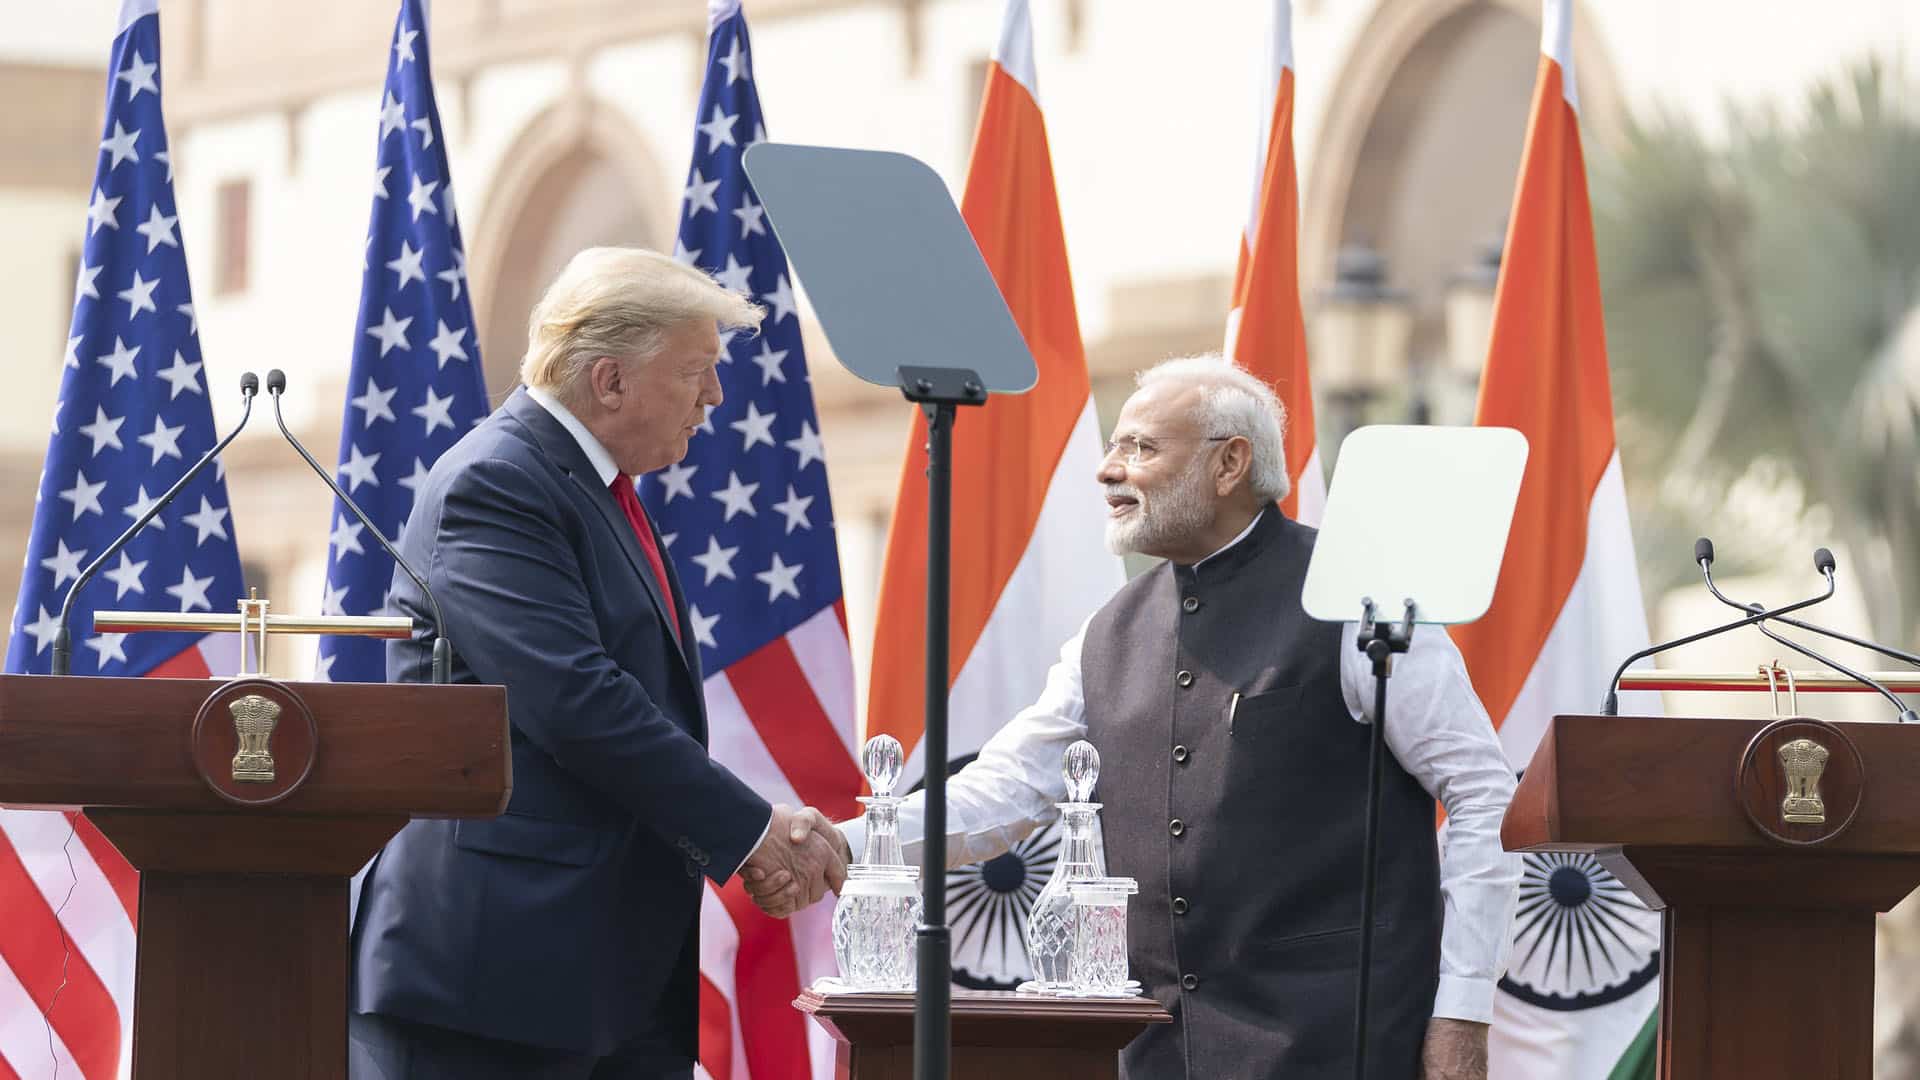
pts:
pixel 1244 825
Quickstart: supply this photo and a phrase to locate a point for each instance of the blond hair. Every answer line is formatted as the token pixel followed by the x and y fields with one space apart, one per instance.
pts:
pixel 619 302
pixel 1234 401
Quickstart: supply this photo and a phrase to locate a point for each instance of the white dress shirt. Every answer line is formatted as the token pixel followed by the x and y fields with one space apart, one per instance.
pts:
pixel 603 464
pixel 1436 729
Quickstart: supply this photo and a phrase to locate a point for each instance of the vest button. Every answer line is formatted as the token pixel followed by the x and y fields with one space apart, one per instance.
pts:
pixel 1190 605
pixel 1176 826
pixel 1191 982
pixel 1179 905
pixel 1180 754
pixel 1185 679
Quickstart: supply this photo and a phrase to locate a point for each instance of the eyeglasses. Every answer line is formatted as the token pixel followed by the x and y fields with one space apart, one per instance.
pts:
pixel 1140 449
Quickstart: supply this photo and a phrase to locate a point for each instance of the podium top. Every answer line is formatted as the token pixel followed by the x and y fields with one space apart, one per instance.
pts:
pixel 69 741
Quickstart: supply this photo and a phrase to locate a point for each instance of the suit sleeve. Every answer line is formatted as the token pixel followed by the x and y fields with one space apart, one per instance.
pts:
pixel 517 607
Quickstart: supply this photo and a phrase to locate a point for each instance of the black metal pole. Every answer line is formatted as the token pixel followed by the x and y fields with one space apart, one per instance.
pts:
pixel 1380 652
pixel 931 1016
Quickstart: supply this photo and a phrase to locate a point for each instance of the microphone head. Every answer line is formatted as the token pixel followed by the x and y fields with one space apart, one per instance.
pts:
pixel 276 381
pixel 1823 560
pixel 1703 551
pixel 249 384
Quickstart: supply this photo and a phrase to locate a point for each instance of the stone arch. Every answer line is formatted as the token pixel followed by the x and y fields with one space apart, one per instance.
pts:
pixel 578 175
pixel 1419 145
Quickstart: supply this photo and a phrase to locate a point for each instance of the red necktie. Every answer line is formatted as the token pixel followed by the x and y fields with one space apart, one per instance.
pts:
pixel 623 494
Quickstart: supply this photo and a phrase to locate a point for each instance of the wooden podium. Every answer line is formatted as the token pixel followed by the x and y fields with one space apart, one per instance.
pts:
pixel 244 861
pixel 997 1034
pixel 1766 967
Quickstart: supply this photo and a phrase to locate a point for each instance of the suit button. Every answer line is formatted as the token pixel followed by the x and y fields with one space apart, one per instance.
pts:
pixel 1191 982
pixel 1190 605
pixel 1185 679
pixel 1180 754
pixel 1179 905
pixel 1176 826
pixel 692 870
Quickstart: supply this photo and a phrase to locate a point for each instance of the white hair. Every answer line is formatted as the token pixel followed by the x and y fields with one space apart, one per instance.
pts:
pixel 1234 401
pixel 619 302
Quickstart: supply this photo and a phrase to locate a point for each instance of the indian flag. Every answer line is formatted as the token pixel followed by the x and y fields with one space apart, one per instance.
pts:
pixel 1582 985
pixel 1029 562
pixel 1265 332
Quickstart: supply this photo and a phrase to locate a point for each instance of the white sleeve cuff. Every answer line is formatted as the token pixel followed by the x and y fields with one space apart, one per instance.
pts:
pixel 855 830
pixel 1462 998
pixel 754 848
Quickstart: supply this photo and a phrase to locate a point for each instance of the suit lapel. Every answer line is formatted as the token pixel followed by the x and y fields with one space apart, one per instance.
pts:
pixel 560 445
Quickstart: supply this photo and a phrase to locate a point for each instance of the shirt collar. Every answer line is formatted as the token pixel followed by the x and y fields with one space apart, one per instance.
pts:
pixel 1244 533
pixel 592 447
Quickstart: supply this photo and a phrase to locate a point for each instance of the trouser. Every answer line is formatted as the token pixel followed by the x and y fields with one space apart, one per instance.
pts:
pixel 384 1048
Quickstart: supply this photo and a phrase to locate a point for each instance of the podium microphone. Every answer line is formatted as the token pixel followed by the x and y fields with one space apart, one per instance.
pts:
pixel 1703 550
pixel 1823 562
pixel 442 649
pixel 63 638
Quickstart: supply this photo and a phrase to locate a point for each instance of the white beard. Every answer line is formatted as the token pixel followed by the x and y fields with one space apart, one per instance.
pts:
pixel 1181 510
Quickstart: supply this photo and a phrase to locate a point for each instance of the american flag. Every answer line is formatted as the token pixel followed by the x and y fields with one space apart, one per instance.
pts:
pixel 748 522
pixel 416 384
pixel 133 415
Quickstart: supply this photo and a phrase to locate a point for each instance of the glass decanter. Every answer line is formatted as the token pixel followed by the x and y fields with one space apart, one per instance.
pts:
pixel 879 906
pixel 1050 925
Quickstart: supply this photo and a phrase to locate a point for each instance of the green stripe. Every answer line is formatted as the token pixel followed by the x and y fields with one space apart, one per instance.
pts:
pixel 1642 1054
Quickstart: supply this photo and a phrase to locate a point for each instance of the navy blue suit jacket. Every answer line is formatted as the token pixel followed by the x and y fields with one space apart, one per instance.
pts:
pixel 570 921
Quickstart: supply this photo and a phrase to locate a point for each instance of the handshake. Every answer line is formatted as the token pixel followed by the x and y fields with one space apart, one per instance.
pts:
pixel 798 861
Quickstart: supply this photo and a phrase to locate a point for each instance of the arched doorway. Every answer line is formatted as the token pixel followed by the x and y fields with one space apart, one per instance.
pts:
pixel 577 177
pixel 1421 145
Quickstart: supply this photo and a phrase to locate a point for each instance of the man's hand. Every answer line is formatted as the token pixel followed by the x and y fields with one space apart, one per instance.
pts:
pixel 1454 1050
pixel 801 857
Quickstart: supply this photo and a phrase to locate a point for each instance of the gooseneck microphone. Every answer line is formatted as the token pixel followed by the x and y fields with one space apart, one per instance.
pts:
pixel 1611 707
pixel 63 637
pixel 442 649
pixel 1823 562
pixel 1887 651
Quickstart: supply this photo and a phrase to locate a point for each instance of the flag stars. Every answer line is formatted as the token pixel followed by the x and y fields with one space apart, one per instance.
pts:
pixel 119 361
pixel 781 299
pixel 392 332
pixel 699 195
pixel 807 445
pixel 736 497
pixel 140 505
pixel 139 296
pixel 102 211
pixel 110 647
pixel 209 520
pixel 358 469
pixel 83 284
pixel 717 561
pixel 158 229
pixel 456 274
pixel 380 183
pixel 677 480
pixel 780 579
pixel 64 563
pixel 769 359
pixel 446 343
pixel 734 277
pixel 104 431
pixel 375 403
pixel 126 577
pixel 120 145
pixel 421 197
pixel 181 377
pixel 702 626
pixel 424 126
pixel 139 76
pixel 794 509
pixel 719 128
pixel 403 46
pixel 193 321
pixel 345 538
pixel 393 116
pixel 72 360
pixel 85 496
pixel 682 256
pixel 755 427
pixel 734 62
pixel 752 217
pixel 164 441
pixel 333 603
pixel 192 591
pixel 44 629
pixel 413 480
pixel 407 266
pixel 436 411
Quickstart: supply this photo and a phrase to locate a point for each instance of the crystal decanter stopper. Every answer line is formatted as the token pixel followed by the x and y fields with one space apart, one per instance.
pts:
pixel 882 760
pixel 1050 925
